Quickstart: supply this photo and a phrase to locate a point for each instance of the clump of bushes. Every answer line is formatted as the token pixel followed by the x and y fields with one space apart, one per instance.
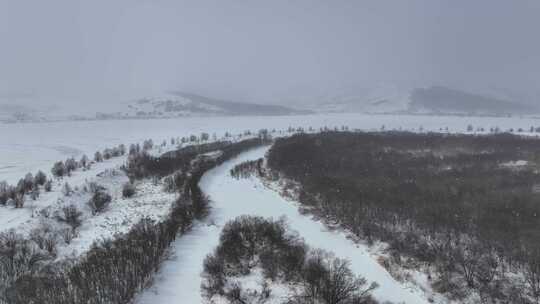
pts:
pixel 66 189
pixel 250 243
pixel 58 169
pixel 175 182
pixel 40 178
pixel 20 255
pixel 5 192
pixel 29 185
pixel 71 216
pixel 100 198
pixel 18 201
pixel 45 237
pixel 48 186
pixel 247 169
pixel 128 190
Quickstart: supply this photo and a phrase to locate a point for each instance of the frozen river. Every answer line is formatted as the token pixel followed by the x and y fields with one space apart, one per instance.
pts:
pixel 179 279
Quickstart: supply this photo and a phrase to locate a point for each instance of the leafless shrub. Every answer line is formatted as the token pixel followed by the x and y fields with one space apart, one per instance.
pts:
pixel 71 216
pixel 100 199
pixel 128 190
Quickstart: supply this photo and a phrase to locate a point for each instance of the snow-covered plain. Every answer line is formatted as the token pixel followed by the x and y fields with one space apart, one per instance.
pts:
pixel 179 279
pixel 35 146
pixel 31 146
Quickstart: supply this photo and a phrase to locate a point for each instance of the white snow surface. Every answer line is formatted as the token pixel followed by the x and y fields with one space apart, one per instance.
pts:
pixel 179 279
pixel 515 163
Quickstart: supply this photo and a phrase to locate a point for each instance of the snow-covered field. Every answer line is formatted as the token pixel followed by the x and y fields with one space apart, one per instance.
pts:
pixel 36 146
pixel 32 146
pixel 150 201
pixel 179 279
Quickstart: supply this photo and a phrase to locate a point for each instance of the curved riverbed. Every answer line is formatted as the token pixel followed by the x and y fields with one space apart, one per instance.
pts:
pixel 179 279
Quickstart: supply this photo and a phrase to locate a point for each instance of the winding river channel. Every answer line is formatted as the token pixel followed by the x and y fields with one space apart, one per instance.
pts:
pixel 179 279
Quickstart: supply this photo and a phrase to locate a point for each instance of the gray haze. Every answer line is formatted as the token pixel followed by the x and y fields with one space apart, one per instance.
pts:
pixel 102 50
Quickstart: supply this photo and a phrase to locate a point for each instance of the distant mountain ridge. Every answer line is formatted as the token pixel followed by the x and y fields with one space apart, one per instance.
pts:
pixel 182 104
pixel 241 108
pixel 431 100
pixel 381 99
pixel 439 99
pixel 171 105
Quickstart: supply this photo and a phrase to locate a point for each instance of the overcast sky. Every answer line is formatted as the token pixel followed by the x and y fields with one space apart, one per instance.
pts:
pixel 263 50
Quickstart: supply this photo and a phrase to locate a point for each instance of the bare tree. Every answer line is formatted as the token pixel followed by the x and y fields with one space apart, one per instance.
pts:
pixel 98 157
pixel 40 178
pixel 59 169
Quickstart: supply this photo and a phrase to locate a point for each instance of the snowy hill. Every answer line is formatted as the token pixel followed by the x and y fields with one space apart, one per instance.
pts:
pixel 379 99
pixel 182 104
pixel 438 99
pixel 432 100
pixel 383 98
pixel 167 106
pixel 178 104
pixel 241 108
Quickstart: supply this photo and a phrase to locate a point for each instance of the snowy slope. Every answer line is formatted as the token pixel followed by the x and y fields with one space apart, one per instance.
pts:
pixel 169 105
pixel 438 99
pixel 187 104
pixel 383 98
pixel 119 217
pixel 179 279
pixel 389 98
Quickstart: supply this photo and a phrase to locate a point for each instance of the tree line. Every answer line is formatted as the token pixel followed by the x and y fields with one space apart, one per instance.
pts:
pixel 246 169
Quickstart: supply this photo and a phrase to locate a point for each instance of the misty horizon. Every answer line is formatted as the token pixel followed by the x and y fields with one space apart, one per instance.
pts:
pixel 78 53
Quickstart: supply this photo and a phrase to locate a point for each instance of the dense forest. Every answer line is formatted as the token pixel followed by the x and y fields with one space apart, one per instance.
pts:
pixel 463 208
